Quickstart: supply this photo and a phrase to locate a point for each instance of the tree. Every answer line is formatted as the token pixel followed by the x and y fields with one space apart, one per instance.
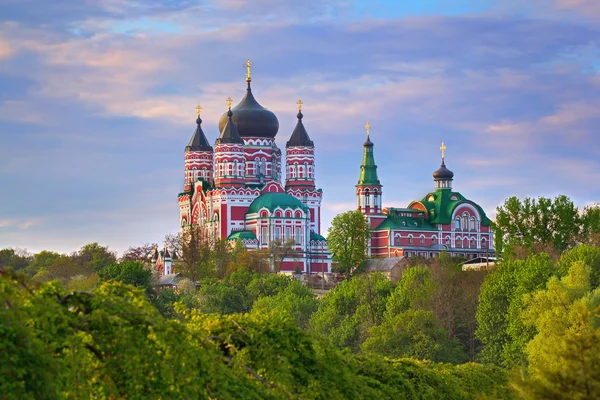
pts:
pixel 112 343
pixel 195 256
pixel 296 300
pixel 347 240
pixel 223 257
pixel 94 257
pixel 280 250
pixel 590 219
pixel 500 327
pixel 564 356
pixel 548 222
pixel 15 258
pixel 349 310
pixel 43 259
pixel 141 253
pixel 62 269
pixel 129 272
pixel 414 334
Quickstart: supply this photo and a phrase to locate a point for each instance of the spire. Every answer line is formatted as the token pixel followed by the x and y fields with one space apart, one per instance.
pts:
pixel 299 136
pixel 198 141
pixel 368 169
pixel 229 135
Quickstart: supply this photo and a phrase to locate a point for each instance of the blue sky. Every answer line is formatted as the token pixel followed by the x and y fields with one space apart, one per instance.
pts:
pixel 97 102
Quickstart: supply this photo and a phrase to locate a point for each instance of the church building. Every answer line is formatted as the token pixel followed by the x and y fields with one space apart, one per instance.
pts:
pixel 233 190
pixel 443 220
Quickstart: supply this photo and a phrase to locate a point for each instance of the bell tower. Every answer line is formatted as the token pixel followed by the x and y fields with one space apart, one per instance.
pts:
pixel 369 190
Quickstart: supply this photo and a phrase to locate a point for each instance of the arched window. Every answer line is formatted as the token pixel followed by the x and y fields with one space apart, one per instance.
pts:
pixel 367 197
pixel 434 239
pixel 410 239
pixel 457 223
pixel 448 242
pixel 397 240
pixel 422 240
pixel 483 243
pixel 472 223
pixel 473 243
pixel 459 242
pixel 465 221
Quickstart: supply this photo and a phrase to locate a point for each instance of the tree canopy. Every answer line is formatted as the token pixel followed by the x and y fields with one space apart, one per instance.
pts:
pixel 347 239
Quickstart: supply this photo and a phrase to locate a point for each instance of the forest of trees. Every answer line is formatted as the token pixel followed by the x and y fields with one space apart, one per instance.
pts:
pixel 90 324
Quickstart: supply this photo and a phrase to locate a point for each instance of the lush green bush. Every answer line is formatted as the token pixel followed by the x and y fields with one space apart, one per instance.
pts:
pixel 112 343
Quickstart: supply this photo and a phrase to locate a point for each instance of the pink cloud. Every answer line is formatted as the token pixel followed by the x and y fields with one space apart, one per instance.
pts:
pixel 5 48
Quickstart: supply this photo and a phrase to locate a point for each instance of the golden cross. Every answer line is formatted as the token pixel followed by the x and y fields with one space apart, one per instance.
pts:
pixel 198 109
pixel 368 128
pixel 443 149
pixel 229 101
pixel 299 102
pixel 248 65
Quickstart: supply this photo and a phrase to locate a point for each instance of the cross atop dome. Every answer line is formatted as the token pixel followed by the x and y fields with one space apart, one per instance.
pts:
pixel 248 65
pixel 368 129
pixel 229 101
pixel 198 109
pixel 443 149
pixel 300 103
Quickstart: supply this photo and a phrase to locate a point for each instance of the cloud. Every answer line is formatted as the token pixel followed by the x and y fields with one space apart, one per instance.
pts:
pixel 5 48
pixel 102 98
pixel 20 224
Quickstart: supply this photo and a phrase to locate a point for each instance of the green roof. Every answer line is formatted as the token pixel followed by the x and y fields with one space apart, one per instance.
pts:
pixel 242 235
pixel 368 169
pixel 316 237
pixel 273 200
pixel 444 202
pixel 405 223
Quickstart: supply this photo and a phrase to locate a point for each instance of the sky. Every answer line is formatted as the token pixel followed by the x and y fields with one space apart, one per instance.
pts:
pixel 98 97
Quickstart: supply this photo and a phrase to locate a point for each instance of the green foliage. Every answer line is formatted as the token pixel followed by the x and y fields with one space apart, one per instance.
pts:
pixel 564 355
pixel 347 239
pixel 414 291
pixel 295 300
pixel 113 343
pixel 222 298
pixel 129 272
pixel 544 221
pixel 83 283
pixel 499 325
pixel 62 269
pixel 42 260
pixel 94 257
pixel 16 259
pixel 588 254
pixel 414 334
pixel 348 311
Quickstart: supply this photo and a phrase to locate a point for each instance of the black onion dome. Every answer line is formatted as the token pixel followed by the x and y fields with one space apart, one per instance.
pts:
pixel 443 173
pixel 252 119
pixel 198 141
pixel 229 133
pixel 368 142
pixel 300 136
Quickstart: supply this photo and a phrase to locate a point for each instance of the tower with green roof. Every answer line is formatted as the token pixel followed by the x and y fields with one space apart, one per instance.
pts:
pixel 368 189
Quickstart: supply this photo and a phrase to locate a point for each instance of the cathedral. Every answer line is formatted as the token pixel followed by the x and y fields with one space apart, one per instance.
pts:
pixel 443 220
pixel 234 190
